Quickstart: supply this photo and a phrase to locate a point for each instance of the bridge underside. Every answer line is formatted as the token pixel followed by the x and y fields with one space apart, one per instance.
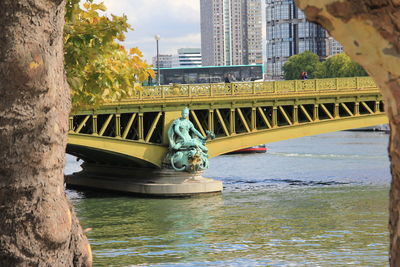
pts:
pixel 108 151
pixel 223 145
pixel 94 155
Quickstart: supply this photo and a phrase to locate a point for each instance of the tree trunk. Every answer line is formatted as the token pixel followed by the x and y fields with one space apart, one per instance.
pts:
pixel 369 30
pixel 38 226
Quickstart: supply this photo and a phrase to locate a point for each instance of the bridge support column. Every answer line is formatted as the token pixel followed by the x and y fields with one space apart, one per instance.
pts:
pixel 144 181
pixel 94 125
pixel 253 119
pixel 377 107
pixel 274 117
pixel 232 119
pixel 71 124
pixel 141 128
pixel 315 113
pixel 336 111
pixel 211 120
pixel 357 108
pixel 118 125
pixel 295 115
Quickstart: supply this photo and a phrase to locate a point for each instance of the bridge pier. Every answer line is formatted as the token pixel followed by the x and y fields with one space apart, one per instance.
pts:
pixel 144 181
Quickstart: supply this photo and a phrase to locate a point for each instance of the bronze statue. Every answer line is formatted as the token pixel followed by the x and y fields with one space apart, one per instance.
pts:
pixel 187 150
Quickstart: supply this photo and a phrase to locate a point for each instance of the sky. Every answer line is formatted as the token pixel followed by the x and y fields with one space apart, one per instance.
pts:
pixel 176 21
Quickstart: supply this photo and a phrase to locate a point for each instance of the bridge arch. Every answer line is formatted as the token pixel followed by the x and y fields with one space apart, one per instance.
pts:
pixel 224 145
pixel 111 151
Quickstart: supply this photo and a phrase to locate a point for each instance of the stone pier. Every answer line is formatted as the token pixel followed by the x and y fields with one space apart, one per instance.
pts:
pixel 146 181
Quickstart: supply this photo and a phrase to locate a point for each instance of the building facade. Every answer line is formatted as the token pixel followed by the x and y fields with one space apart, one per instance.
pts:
pixel 289 33
pixel 333 47
pixel 187 58
pixel 164 60
pixel 231 32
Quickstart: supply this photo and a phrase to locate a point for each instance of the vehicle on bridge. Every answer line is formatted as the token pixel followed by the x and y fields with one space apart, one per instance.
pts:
pixel 210 74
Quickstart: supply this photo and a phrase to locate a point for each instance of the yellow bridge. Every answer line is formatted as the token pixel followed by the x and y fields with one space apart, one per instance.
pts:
pixel 133 132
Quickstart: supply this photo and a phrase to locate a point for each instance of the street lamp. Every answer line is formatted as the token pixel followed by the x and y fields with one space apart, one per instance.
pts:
pixel 157 37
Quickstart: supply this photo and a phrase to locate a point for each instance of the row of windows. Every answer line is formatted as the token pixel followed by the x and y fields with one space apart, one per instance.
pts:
pixel 283 12
pixel 190 57
pixel 281 50
pixel 278 31
pixel 287 49
pixel 284 2
pixel 287 30
pixel 190 60
pixel 278 12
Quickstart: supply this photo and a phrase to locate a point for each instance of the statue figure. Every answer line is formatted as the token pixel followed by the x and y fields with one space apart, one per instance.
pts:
pixel 187 150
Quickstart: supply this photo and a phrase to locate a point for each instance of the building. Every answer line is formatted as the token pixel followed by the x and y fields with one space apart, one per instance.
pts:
pixel 231 32
pixel 289 33
pixel 187 57
pixel 165 61
pixel 333 47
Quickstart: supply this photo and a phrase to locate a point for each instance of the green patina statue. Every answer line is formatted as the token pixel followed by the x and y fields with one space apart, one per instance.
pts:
pixel 187 150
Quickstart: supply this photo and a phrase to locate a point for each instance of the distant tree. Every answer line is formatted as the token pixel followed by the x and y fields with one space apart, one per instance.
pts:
pixel 306 61
pixel 339 65
pixel 99 69
pixel 356 70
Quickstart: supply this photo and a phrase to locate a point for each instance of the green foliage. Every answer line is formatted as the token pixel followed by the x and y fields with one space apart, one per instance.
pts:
pixel 306 61
pixel 340 65
pixel 98 68
pixel 356 70
pixel 336 66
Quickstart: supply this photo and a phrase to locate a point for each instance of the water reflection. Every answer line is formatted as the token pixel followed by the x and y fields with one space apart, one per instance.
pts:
pixel 319 226
pixel 155 228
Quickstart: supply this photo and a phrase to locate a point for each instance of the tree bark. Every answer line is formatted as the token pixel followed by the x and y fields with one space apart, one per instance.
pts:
pixel 38 226
pixel 369 30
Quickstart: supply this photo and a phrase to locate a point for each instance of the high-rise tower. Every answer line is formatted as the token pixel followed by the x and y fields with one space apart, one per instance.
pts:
pixel 231 32
pixel 288 34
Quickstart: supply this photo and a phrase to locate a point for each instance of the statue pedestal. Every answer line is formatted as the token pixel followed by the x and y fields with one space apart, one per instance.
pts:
pixel 156 182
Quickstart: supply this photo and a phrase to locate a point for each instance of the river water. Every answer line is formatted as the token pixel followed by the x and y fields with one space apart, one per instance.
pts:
pixel 312 201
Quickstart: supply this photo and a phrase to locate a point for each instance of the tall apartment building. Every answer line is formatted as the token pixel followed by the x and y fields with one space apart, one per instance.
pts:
pixel 288 34
pixel 231 32
pixel 187 57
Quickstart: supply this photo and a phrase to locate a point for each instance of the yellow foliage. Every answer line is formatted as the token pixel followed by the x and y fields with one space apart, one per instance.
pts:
pixel 99 69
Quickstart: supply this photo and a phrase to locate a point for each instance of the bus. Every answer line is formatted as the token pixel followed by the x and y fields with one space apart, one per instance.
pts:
pixel 210 74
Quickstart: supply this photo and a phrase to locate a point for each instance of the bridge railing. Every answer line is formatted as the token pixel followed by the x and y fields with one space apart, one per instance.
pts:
pixel 212 90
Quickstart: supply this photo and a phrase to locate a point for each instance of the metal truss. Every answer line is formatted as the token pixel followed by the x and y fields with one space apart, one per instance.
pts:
pixel 240 114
